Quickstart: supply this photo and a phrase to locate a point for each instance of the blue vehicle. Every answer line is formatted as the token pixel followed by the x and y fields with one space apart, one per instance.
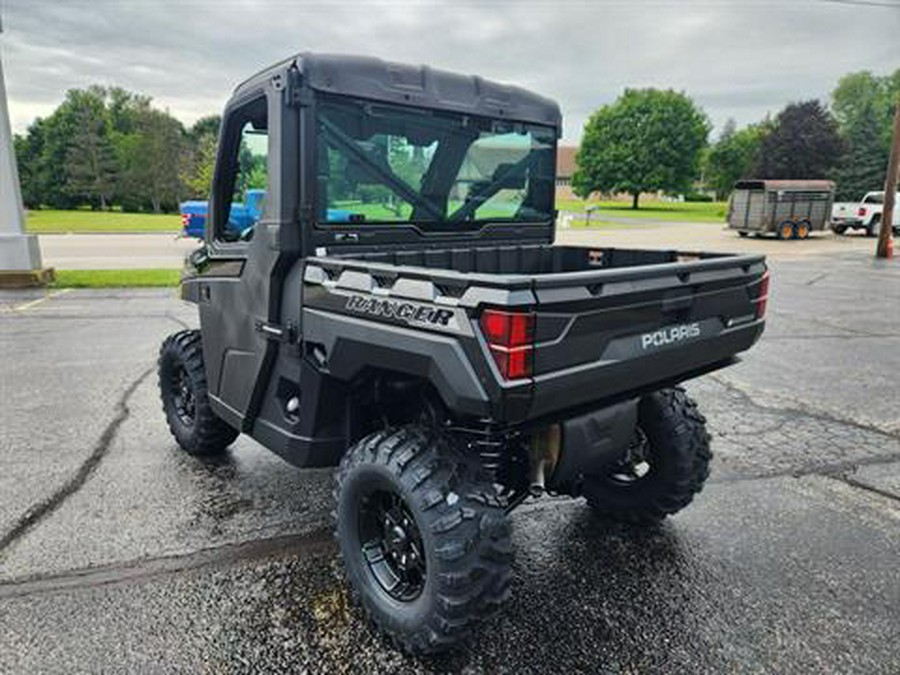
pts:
pixel 243 215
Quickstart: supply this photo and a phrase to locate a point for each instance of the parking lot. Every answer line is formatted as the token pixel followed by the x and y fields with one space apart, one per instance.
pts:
pixel 118 554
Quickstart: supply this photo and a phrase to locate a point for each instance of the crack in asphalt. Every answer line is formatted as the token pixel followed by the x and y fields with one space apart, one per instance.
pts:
pixel 833 470
pixel 319 540
pixel 36 513
pixel 804 412
pixel 862 485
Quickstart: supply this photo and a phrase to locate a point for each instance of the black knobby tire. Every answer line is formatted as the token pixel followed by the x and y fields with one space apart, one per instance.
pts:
pixel 185 397
pixel 839 229
pixel 673 434
pixel 457 522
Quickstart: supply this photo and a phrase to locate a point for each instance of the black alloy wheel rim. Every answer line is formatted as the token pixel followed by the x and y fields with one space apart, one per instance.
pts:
pixel 636 465
pixel 391 544
pixel 183 396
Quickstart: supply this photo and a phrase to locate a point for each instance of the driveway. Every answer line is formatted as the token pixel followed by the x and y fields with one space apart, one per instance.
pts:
pixel 119 554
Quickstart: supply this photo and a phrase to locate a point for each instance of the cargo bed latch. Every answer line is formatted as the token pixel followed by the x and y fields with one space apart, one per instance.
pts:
pixel 276 332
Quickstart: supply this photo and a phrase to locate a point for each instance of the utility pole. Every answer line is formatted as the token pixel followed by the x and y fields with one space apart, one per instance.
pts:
pixel 20 253
pixel 885 242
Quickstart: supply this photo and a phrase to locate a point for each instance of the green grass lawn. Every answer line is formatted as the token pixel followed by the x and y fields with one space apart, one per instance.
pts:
pixel 115 278
pixel 51 221
pixel 698 212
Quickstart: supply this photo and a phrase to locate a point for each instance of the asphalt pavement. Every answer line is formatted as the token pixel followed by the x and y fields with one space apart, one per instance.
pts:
pixel 119 554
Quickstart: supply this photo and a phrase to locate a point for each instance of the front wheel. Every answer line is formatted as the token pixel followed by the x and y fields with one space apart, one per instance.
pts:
pixel 185 398
pixel 664 468
pixel 424 537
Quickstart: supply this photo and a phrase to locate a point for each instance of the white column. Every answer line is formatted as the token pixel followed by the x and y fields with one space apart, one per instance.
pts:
pixel 18 251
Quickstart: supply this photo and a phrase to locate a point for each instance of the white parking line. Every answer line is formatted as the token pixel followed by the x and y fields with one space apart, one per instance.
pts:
pixel 28 305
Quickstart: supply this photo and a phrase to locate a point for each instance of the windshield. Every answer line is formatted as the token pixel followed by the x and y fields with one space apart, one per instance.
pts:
pixel 386 164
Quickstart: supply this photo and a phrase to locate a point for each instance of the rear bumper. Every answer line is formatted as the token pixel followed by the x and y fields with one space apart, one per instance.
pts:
pixel 606 381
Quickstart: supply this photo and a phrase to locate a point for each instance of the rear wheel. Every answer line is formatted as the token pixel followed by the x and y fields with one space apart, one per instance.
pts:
pixel 743 233
pixel 801 229
pixel 839 229
pixel 424 537
pixel 875 226
pixel 785 230
pixel 185 398
pixel 666 465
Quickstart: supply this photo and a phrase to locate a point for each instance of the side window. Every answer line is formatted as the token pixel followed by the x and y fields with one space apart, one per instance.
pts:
pixel 243 199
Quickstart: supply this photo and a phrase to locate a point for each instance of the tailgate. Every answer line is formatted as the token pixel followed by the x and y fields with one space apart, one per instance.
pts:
pixel 604 333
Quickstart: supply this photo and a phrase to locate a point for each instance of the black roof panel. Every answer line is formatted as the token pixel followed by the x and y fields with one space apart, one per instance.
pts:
pixel 372 78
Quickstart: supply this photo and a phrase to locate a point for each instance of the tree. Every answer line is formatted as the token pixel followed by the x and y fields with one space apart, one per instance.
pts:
pixel 206 126
pixel 862 94
pixel 863 105
pixel 200 156
pixel 152 159
pixel 863 166
pixel 732 157
pixel 803 143
pixel 91 166
pixel 29 149
pixel 647 140
pixel 199 166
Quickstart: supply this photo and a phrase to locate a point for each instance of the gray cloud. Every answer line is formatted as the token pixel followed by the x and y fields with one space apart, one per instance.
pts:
pixel 738 59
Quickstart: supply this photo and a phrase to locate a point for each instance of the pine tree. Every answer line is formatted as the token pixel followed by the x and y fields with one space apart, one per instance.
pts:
pixel 863 166
pixel 91 166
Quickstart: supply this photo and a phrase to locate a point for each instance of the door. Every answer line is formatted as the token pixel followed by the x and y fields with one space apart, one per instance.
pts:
pixel 235 289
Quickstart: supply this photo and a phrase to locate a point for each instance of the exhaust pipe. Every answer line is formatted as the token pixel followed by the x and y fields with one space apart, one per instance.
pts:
pixel 543 455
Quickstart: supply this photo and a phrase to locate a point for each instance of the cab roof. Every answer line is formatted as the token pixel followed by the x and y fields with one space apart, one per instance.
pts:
pixel 420 86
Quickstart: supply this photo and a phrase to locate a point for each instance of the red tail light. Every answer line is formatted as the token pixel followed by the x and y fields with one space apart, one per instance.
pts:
pixel 861 211
pixel 762 299
pixel 185 220
pixel 509 336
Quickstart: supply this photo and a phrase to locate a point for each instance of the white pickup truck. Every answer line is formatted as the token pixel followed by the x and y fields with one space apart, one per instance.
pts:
pixel 866 215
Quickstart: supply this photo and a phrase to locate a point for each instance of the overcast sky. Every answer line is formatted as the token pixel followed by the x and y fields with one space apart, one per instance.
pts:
pixel 736 58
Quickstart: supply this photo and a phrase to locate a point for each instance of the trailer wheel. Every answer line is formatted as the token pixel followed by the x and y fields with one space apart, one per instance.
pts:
pixel 801 229
pixel 424 537
pixel 185 398
pixel 785 230
pixel 665 466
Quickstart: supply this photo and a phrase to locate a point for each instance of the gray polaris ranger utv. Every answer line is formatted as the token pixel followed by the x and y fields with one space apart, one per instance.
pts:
pixel 400 312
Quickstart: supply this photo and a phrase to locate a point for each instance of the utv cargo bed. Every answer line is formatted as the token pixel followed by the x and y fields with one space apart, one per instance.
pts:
pixel 608 323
